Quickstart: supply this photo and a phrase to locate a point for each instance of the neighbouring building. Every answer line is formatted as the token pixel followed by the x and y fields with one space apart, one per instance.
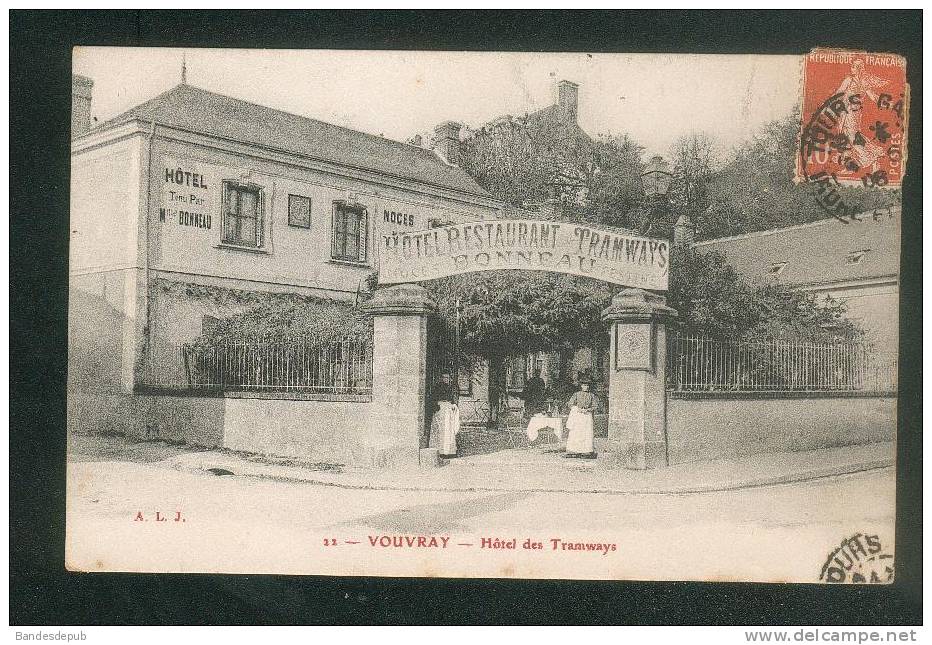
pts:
pixel 857 263
pixel 82 89
pixel 190 206
pixel 528 138
pixel 558 122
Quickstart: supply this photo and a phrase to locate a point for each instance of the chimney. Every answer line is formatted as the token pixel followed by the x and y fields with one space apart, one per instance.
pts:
pixel 81 88
pixel 684 233
pixel 568 98
pixel 446 141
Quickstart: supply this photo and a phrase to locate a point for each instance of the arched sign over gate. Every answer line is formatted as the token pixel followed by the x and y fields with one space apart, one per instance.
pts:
pixel 540 245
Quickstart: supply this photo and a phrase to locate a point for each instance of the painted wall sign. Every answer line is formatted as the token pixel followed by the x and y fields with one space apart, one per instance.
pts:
pixel 188 194
pixel 393 217
pixel 561 247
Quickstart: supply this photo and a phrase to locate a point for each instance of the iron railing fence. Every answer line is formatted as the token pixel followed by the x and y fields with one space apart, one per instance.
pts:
pixel 305 367
pixel 695 363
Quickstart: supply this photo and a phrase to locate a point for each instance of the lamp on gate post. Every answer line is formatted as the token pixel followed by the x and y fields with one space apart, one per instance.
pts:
pixel 656 180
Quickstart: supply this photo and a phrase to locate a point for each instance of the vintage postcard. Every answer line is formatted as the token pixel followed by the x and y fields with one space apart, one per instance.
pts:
pixel 499 315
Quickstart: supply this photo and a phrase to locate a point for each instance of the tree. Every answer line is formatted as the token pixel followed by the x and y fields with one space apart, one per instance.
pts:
pixel 695 159
pixel 524 160
pixel 713 300
pixel 616 197
pixel 754 189
pixel 507 314
pixel 529 160
pixel 709 296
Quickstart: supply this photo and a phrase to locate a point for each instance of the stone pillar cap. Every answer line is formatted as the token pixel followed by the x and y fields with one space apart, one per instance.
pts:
pixel 400 300
pixel 637 305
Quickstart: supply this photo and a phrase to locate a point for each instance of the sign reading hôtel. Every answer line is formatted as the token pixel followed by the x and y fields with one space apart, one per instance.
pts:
pixel 561 247
pixel 186 195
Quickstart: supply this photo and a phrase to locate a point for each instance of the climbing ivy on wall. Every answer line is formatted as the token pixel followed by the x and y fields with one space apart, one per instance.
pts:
pixel 271 317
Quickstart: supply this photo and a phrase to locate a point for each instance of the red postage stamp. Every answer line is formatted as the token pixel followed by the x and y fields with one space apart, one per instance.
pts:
pixel 854 117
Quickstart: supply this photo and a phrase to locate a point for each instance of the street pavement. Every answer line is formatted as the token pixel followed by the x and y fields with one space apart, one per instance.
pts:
pixel 236 523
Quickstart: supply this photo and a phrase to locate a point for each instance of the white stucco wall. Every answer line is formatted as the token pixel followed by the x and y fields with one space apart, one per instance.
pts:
pixel 293 256
pixel 105 198
pixel 119 191
pixel 106 264
pixel 875 307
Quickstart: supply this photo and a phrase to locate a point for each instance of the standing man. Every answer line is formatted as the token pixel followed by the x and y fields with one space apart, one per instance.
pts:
pixel 534 394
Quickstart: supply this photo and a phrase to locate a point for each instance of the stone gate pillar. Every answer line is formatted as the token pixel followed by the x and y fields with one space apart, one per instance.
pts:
pixel 399 370
pixel 637 394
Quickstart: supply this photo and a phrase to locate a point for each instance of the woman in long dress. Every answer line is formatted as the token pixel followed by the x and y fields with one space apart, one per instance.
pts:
pixel 579 440
pixel 445 424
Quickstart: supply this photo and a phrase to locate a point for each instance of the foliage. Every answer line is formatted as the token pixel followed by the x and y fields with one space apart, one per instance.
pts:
pixel 695 158
pixel 616 196
pixel 511 313
pixel 505 314
pixel 714 301
pixel 746 189
pixel 288 317
pixel 524 160
pixel 790 314
pixel 528 160
pixel 709 296
pixel 753 189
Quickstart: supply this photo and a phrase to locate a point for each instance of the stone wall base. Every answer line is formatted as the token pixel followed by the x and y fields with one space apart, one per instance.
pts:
pixel 337 432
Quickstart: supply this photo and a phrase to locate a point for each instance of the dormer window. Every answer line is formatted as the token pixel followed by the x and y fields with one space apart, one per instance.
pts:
pixel 777 268
pixel 856 257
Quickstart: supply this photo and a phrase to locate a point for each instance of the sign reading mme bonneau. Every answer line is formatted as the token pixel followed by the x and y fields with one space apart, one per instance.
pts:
pixel 562 247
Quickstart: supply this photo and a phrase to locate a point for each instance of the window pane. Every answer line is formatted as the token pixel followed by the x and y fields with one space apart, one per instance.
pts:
pixel 242 223
pixel 334 242
pixel 232 199
pixel 350 233
pixel 229 228
pixel 248 203
pixel 247 230
pixel 351 247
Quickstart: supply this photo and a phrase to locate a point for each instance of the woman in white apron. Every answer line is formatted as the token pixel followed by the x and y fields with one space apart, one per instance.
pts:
pixel 445 424
pixel 579 438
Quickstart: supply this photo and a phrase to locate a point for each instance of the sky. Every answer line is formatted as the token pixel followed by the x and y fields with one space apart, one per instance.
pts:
pixel 655 98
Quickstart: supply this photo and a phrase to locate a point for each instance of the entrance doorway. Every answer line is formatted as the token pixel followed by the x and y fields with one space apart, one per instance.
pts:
pixel 492 414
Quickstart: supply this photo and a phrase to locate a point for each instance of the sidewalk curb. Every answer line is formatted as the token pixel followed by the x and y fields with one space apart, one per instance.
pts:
pixel 775 480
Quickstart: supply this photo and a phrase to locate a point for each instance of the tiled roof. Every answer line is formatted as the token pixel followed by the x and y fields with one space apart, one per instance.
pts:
pixel 817 253
pixel 197 110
